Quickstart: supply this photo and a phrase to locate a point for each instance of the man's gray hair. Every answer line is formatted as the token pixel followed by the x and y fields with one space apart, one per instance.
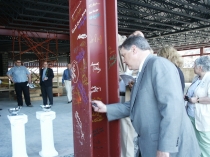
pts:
pixel 204 62
pixel 136 40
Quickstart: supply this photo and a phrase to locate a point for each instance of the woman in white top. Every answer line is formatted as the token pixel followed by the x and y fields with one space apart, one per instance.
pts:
pixel 198 106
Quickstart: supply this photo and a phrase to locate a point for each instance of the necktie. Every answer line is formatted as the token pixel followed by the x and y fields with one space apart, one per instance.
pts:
pixel 43 75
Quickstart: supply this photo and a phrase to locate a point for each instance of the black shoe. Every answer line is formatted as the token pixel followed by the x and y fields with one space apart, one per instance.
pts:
pixel 0 108
pixel 69 101
pixel 30 105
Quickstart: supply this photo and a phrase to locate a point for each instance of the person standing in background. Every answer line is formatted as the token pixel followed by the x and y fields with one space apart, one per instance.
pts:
pixel 46 76
pixel 20 76
pixel 198 103
pixel 66 79
pixel 172 55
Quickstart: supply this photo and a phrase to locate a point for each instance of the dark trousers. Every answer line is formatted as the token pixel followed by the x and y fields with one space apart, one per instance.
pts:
pixel 47 92
pixel 19 88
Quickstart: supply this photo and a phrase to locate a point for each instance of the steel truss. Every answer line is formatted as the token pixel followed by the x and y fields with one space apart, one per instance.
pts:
pixel 182 23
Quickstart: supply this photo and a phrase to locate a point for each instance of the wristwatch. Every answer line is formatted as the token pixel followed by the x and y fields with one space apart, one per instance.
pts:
pixel 198 100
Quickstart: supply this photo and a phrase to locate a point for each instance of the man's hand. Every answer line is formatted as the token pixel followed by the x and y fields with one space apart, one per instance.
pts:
pixel 46 78
pixel 130 84
pixel 162 154
pixel 98 106
pixel 62 84
pixel 10 78
pixel 29 78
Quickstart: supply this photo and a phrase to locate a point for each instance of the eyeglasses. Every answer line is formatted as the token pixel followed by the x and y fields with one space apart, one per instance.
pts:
pixel 18 62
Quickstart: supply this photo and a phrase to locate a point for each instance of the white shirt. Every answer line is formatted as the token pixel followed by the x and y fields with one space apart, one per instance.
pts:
pixel 202 118
pixel 190 93
pixel 141 65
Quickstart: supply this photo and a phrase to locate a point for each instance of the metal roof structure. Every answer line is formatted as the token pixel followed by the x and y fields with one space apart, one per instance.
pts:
pixel 184 24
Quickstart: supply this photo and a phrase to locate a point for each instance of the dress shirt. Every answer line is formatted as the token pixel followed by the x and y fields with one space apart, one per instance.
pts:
pixel 19 74
pixel 140 66
pixel 66 75
pixel 44 73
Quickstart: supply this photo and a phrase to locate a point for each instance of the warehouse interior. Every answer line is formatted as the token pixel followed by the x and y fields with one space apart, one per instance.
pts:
pixel 39 30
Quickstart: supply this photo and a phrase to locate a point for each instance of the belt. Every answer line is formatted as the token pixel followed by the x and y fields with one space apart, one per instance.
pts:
pixel 122 93
pixel 22 82
pixel 67 80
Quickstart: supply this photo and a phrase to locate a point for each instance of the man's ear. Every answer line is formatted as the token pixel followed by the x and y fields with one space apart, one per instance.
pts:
pixel 134 49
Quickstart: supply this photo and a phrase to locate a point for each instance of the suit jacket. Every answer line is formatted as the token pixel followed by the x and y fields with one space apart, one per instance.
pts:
pixel 50 75
pixel 157 111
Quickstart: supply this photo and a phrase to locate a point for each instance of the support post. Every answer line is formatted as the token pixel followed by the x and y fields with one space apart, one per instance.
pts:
pixel 18 135
pixel 48 149
pixel 201 51
pixel 93 36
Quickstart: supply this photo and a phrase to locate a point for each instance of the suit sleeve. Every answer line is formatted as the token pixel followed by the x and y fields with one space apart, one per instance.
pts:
pixel 51 74
pixel 40 73
pixel 118 111
pixel 168 92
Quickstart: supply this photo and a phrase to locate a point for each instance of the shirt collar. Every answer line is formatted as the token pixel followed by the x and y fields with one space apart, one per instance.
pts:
pixel 142 63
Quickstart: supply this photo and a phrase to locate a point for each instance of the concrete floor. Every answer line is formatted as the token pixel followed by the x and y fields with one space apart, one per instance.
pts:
pixel 62 128
pixel 62 124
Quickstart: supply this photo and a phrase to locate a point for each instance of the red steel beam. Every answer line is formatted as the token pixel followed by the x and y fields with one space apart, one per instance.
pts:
pixel 10 32
pixel 195 55
pixel 201 51
pixel 191 48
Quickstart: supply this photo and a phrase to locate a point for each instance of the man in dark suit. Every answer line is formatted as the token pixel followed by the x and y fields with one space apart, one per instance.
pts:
pixel 156 107
pixel 46 76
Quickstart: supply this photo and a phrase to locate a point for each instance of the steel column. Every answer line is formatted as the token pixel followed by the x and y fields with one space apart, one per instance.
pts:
pixel 113 72
pixel 93 35
pixel 201 51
